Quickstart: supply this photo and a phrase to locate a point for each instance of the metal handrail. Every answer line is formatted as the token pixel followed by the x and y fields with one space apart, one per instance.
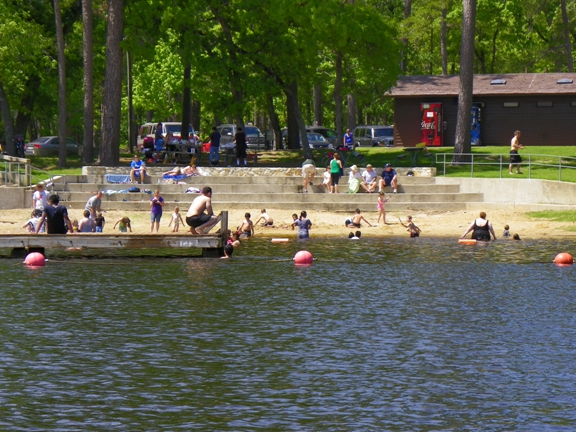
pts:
pixel 531 163
pixel 18 171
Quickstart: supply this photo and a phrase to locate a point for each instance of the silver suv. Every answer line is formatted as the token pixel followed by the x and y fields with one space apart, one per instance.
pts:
pixel 254 137
pixel 374 136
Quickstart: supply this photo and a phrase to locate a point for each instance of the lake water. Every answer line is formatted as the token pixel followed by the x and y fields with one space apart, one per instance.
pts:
pixel 376 335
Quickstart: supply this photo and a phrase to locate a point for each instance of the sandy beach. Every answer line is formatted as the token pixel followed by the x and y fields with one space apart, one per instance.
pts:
pixel 433 224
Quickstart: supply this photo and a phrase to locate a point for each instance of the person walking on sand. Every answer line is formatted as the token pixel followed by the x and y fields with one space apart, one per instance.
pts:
pixel 176 220
pixel 515 158
pixel 200 216
pixel 481 229
pixel 157 203
pixel 335 170
pixel 382 200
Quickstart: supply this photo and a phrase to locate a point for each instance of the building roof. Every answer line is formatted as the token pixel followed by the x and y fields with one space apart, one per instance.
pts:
pixel 512 84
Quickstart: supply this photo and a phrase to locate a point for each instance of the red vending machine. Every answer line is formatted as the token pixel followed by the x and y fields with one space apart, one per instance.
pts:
pixel 431 124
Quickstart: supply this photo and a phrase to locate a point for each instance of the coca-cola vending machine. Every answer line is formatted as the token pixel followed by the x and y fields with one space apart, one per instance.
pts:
pixel 431 124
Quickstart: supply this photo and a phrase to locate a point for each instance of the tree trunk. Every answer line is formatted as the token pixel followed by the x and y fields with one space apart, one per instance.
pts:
pixel 88 142
pixel 195 115
pixel 27 105
pixel 318 114
pixel 274 122
pixel 351 111
pixel 110 148
pixel 403 55
pixel 443 42
pixel 338 114
pixel 567 42
pixel 298 128
pixel 186 102
pixel 7 119
pixel 61 85
pixel 462 142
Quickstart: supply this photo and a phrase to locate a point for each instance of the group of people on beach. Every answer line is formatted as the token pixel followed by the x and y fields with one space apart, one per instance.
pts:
pixel 367 180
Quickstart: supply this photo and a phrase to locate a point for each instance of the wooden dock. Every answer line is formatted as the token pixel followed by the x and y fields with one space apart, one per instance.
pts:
pixel 210 244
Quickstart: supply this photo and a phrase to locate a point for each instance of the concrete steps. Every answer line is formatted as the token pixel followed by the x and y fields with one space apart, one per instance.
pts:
pixel 269 191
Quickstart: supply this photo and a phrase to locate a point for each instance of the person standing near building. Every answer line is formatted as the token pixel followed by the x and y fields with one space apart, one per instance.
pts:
pixel 349 140
pixel 214 146
pixel 515 158
pixel 240 140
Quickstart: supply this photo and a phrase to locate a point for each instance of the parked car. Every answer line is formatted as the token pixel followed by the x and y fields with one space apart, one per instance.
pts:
pixel 329 135
pixel 50 145
pixel 255 139
pixel 374 136
pixel 315 140
pixel 149 129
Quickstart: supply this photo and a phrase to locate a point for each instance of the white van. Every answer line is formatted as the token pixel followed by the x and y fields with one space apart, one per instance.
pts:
pixel 149 129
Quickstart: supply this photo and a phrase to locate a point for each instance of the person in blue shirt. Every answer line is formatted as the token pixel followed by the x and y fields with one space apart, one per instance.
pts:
pixel 137 170
pixel 389 178
pixel 349 140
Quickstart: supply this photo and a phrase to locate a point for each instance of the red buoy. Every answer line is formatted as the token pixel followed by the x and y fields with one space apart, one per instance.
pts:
pixel 303 258
pixel 35 259
pixel 563 259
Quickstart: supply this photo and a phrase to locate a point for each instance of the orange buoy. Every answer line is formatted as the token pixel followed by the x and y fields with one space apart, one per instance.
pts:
pixel 35 259
pixel 467 241
pixel 303 258
pixel 563 259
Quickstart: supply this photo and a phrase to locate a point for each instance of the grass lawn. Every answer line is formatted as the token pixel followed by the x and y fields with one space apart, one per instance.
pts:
pixel 568 216
pixel 488 162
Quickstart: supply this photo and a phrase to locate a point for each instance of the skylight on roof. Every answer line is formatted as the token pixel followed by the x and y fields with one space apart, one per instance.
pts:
pixel 564 81
pixel 498 82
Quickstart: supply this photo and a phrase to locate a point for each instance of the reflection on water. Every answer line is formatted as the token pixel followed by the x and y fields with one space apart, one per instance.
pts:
pixel 378 334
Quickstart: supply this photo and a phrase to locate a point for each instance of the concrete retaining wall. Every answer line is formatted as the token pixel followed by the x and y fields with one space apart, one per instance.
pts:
pixel 15 198
pixel 521 195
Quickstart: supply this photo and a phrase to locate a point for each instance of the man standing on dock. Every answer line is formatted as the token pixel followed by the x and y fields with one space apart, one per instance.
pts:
pixel 200 223
pixel 56 216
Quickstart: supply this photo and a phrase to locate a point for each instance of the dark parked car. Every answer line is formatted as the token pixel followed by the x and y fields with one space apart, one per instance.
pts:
pixel 255 139
pixel 50 145
pixel 328 134
pixel 316 140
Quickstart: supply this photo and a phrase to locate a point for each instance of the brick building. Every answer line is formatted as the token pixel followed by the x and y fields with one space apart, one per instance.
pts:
pixel 542 106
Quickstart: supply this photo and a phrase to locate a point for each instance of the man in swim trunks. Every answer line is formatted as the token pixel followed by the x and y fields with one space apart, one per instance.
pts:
pixel 200 222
